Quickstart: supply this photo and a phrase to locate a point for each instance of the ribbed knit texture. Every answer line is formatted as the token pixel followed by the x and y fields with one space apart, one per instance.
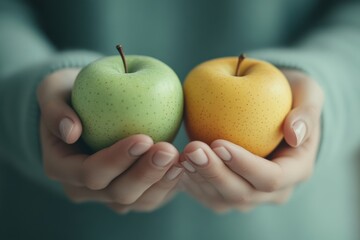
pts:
pixel 321 38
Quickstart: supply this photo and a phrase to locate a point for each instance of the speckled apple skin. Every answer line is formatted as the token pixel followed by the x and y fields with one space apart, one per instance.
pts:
pixel 113 105
pixel 248 110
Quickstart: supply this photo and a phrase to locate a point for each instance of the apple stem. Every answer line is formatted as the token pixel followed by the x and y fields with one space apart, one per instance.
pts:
pixel 121 52
pixel 240 59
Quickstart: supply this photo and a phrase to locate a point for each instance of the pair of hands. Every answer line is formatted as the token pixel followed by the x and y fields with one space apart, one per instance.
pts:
pixel 135 174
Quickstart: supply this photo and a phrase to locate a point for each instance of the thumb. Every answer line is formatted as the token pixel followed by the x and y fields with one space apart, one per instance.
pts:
pixel 53 97
pixel 305 116
pixel 299 124
pixel 62 121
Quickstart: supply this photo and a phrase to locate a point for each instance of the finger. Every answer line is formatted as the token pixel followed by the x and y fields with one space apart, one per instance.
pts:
pixel 245 208
pixel 119 208
pixel 260 198
pixel 263 174
pixel 283 196
pixel 54 97
pixel 300 123
pixel 195 190
pixel 124 209
pixel 67 164
pixel 151 198
pixel 209 166
pixel 83 194
pixel 207 189
pixel 277 197
pixel 62 162
pixel 186 184
pixel 289 166
pixel 101 168
pixel 148 170
pixel 298 163
pixel 155 196
pixel 306 112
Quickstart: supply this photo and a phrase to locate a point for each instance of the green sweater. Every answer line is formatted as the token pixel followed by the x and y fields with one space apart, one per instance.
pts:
pixel 319 37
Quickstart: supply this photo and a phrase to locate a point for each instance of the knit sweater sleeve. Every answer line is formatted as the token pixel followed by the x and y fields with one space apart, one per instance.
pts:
pixel 26 56
pixel 330 53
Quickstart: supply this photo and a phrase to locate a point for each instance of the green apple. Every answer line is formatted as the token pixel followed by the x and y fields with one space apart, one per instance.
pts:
pixel 115 99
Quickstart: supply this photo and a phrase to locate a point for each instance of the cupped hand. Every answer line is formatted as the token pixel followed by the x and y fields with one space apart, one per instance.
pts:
pixel 224 176
pixel 132 174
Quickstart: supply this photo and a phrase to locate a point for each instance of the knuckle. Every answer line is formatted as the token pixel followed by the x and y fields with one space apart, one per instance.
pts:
pixel 149 175
pixel 239 199
pixel 48 106
pixel 314 112
pixel 244 200
pixel 212 176
pixel 272 184
pixel 90 181
pixel 164 186
pixel 311 109
pixel 200 181
pixel 319 90
pixel 122 198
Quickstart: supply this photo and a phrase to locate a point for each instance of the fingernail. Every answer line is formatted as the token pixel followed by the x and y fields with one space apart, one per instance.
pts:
pixel 173 173
pixel 198 157
pixel 65 127
pixel 299 128
pixel 161 159
pixel 223 153
pixel 188 166
pixel 139 148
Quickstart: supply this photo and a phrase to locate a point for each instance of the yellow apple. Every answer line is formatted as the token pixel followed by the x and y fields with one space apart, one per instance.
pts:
pixel 241 100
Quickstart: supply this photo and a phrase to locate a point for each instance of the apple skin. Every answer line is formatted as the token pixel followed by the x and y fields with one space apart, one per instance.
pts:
pixel 113 105
pixel 247 110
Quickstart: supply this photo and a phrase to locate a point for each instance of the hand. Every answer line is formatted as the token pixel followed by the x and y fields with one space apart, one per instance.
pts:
pixel 225 176
pixel 133 174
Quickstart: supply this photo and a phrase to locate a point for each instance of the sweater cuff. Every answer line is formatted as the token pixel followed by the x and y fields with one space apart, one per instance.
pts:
pixel 289 58
pixel 72 59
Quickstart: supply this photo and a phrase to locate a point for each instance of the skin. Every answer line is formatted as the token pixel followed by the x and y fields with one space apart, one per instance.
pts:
pixel 247 180
pixel 220 104
pixel 135 183
pixel 111 103
pixel 131 181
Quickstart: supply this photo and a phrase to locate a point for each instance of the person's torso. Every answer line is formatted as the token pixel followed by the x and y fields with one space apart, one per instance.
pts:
pixel 180 33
